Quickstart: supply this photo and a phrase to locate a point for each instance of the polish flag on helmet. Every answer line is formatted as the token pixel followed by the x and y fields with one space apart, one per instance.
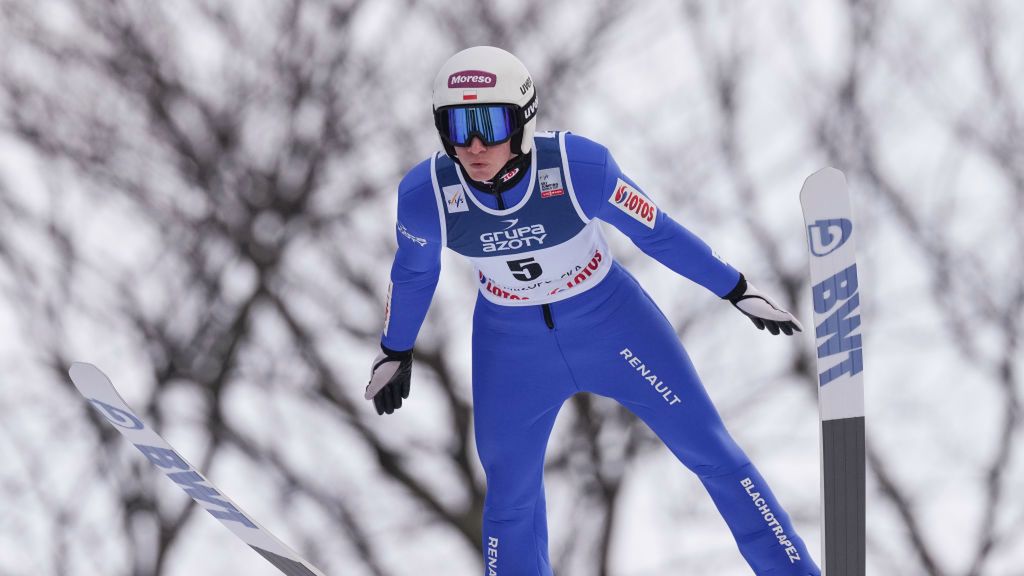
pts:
pixel 469 94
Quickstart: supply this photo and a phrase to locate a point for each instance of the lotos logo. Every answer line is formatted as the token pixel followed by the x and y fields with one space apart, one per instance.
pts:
pixel 472 79
pixel 509 175
pixel 584 273
pixel 831 234
pixel 489 287
pixel 633 202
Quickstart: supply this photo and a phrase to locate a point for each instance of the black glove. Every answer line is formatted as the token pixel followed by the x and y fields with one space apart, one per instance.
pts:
pixel 389 380
pixel 761 309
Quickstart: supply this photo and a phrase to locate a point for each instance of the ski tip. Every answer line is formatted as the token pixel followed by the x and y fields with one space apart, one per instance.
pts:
pixel 81 371
pixel 827 178
pixel 77 367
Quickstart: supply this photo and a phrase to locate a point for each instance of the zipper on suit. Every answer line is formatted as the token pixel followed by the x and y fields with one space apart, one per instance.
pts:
pixel 547 316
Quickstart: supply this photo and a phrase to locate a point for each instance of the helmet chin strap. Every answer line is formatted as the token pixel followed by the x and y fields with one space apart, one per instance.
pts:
pixel 508 176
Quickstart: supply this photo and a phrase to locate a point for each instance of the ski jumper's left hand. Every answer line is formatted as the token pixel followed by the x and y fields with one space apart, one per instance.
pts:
pixel 390 379
pixel 761 309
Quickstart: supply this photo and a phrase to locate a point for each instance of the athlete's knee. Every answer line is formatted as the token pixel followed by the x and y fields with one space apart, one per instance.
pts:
pixel 503 512
pixel 501 453
pixel 513 493
pixel 730 467
pixel 715 454
pixel 511 471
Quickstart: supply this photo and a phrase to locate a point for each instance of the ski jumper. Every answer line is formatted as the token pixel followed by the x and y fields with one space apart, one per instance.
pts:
pixel 557 315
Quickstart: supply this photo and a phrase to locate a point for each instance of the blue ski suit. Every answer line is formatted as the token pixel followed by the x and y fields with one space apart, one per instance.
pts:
pixel 556 315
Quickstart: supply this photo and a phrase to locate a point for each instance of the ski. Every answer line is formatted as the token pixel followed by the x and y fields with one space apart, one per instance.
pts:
pixel 98 390
pixel 840 365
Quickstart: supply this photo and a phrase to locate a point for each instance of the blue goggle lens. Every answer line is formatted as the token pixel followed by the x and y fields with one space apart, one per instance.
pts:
pixel 493 124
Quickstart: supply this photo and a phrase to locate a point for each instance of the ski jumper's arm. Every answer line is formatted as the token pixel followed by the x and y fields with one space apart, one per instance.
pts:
pixel 417 264
pixel 604 192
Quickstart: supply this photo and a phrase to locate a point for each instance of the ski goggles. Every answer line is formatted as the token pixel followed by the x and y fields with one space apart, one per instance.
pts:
pixel 491 123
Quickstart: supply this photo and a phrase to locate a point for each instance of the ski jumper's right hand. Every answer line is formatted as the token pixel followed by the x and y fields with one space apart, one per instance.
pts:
pixel 390 378
pixel 761 309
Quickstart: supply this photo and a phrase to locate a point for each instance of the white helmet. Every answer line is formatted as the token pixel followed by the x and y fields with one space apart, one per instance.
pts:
pixel 485 75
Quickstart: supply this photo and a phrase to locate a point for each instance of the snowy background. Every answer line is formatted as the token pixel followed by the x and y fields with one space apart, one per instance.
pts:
pixel 198 196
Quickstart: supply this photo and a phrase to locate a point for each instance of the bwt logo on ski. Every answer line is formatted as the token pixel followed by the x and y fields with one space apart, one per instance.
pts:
pixel 513 238
pixel 826 236
pixel 116 416
pixel 837 296
pixel 193 483
pixel 167 459
pixel 632 202
pixel 472 79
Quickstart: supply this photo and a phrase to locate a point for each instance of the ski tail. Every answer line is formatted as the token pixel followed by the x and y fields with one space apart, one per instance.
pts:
pixel 843 495
pixel 98 390
pixel 835 293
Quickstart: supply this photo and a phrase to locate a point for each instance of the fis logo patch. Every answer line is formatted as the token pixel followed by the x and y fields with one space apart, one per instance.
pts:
pixel 455 198
pixel 633 202
pixel 550 180
pixel 826 236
